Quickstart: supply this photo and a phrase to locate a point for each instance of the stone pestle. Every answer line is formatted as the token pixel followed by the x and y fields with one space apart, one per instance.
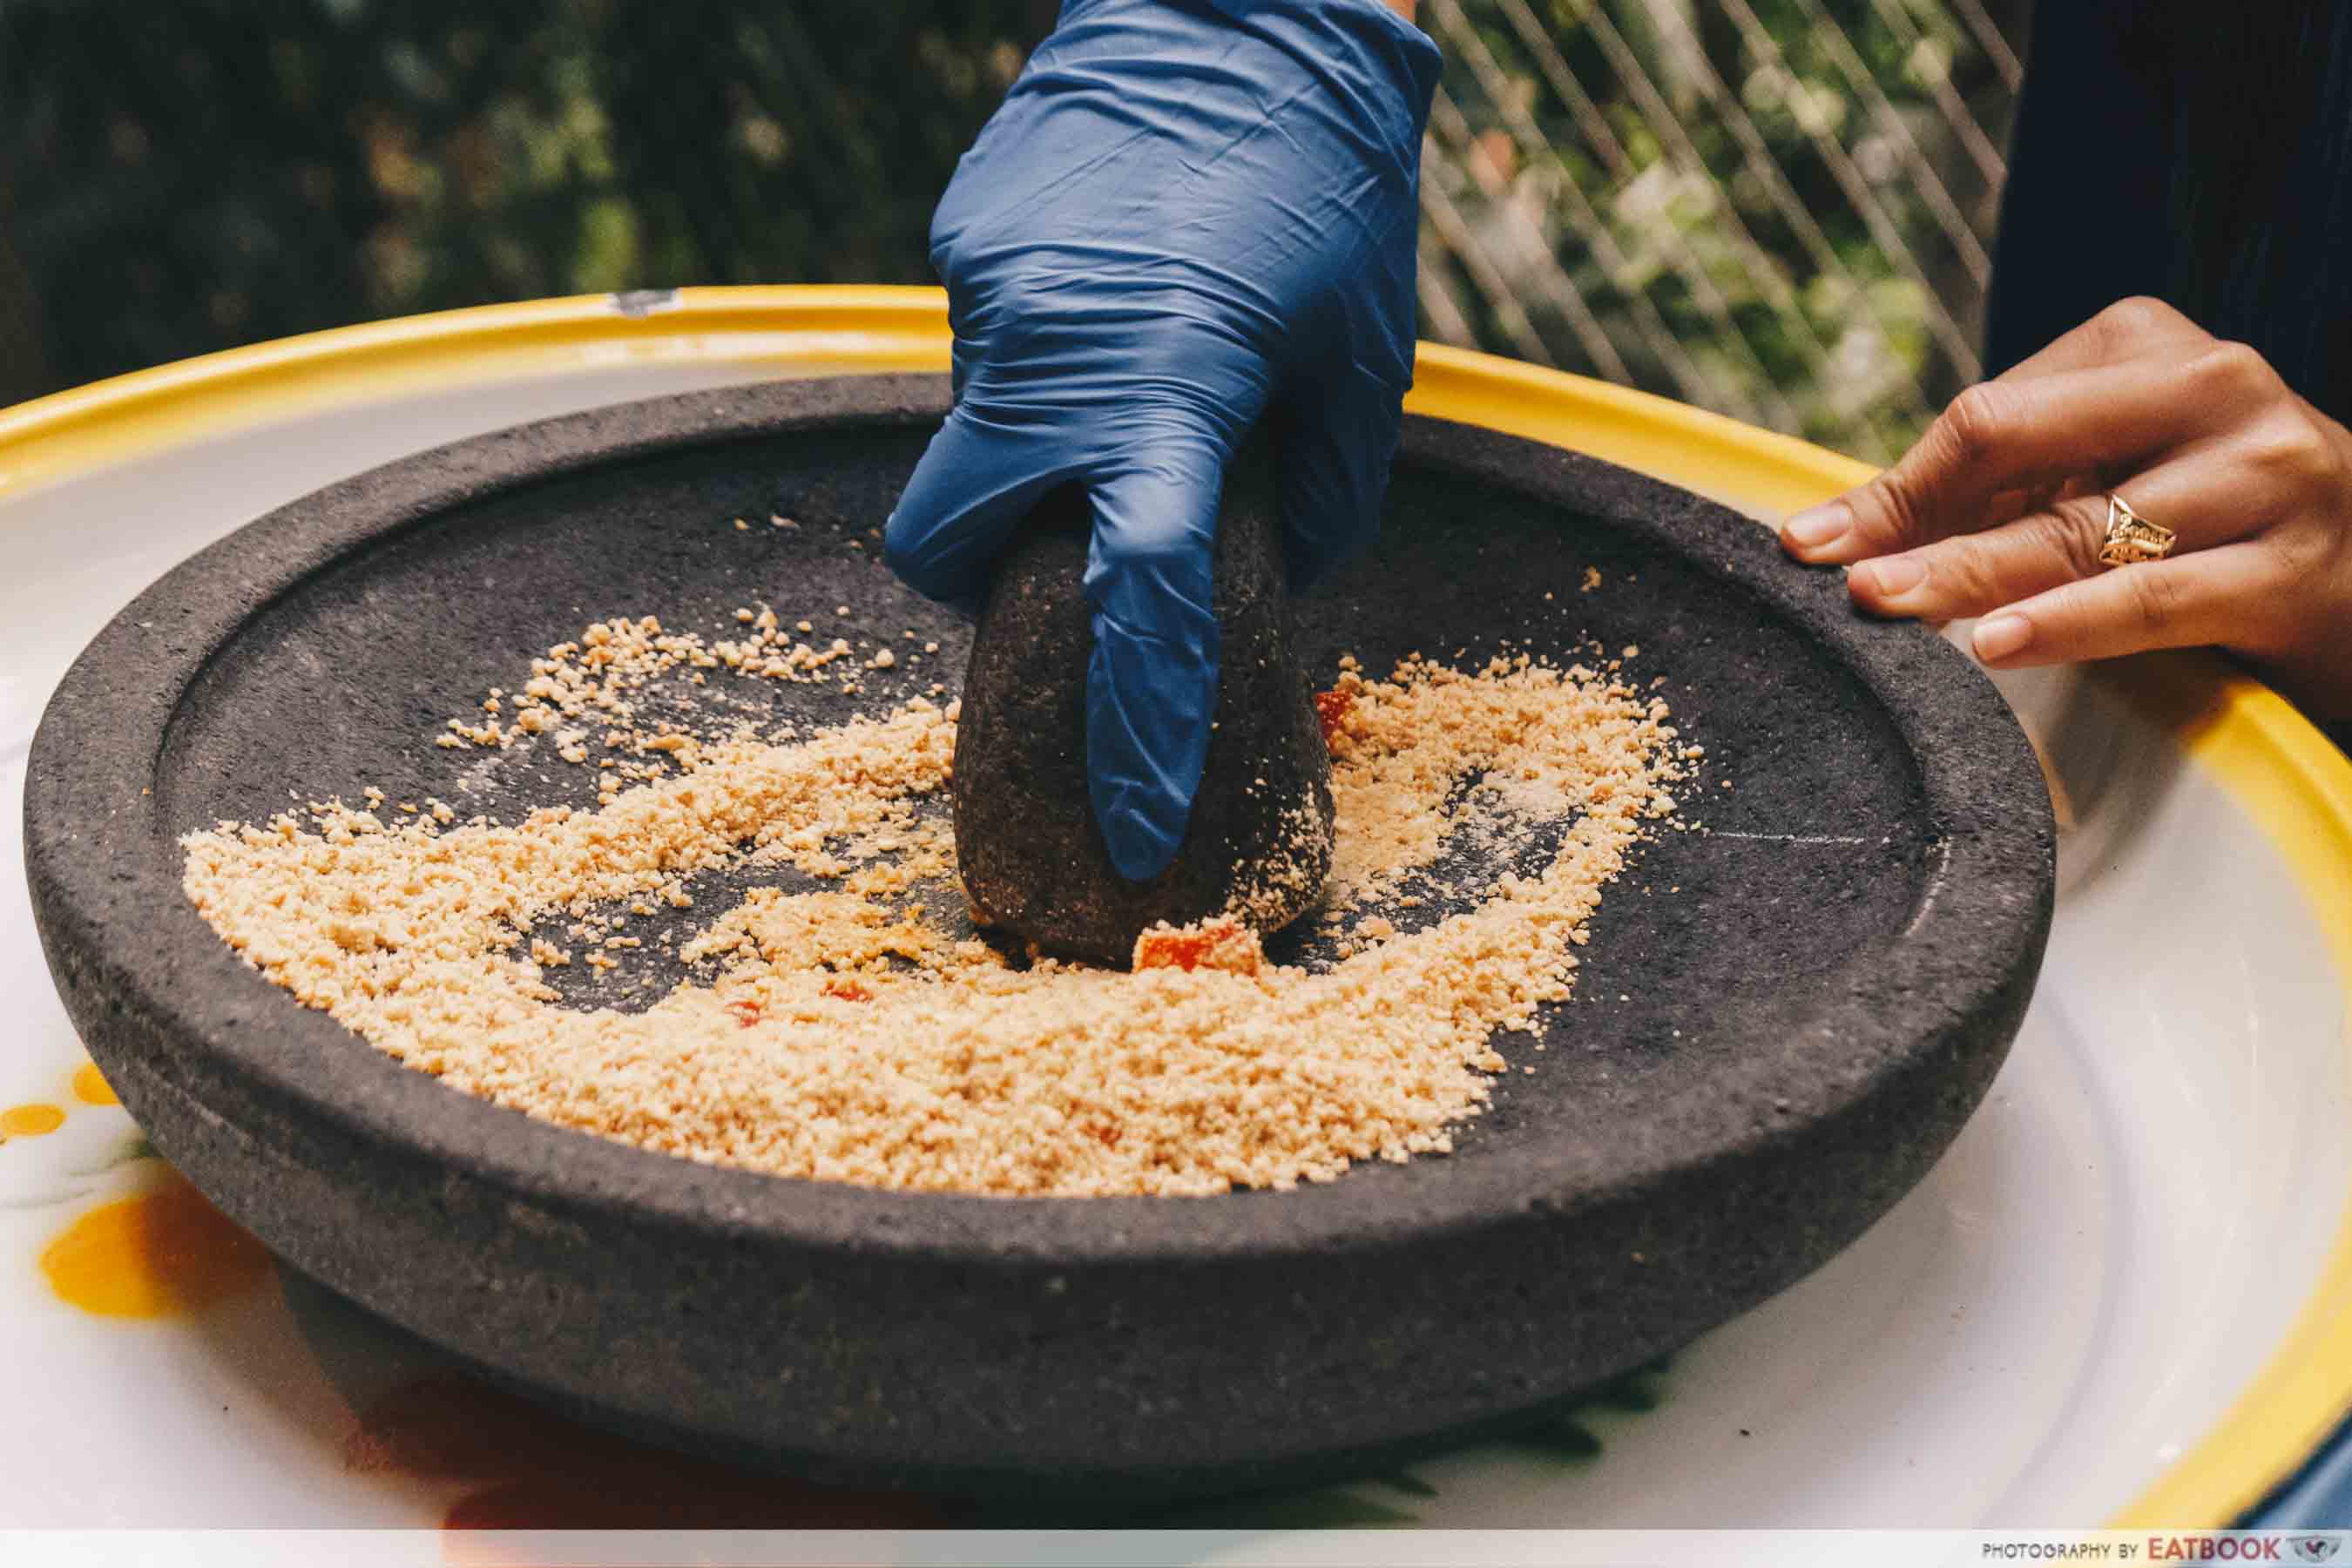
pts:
pixel 1033 858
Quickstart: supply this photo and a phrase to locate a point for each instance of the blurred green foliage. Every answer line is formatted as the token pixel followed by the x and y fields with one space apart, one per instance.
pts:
pixel 184 176
pixel 1778 208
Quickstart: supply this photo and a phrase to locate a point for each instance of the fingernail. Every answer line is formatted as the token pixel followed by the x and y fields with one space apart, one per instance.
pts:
pixel 1892 577
pixel 1817 526
pixel 2002 637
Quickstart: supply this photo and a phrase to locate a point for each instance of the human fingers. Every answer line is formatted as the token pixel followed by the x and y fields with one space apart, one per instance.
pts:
pixel 2128 330
pixel 2187 601
pixel 2201 496
pixel 2002 436
pixel 2008 506
pixel 1152 678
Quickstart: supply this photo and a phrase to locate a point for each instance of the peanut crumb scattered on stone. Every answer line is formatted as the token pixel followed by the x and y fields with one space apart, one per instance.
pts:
pixel 847 1031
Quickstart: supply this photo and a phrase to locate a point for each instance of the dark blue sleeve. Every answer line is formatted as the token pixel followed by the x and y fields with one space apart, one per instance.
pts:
pixel 2085 219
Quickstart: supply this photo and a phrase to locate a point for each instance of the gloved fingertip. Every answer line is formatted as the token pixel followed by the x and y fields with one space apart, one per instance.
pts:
pixel 1143 842
pixel 907 550
pixel 1336 454
pixel 961 506
pixel 1148 709
pixel 1152 678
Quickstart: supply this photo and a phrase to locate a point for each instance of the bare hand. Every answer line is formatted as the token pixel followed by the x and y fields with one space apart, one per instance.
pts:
pixel 2000 507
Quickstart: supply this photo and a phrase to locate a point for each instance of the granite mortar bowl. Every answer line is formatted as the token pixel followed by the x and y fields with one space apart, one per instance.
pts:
pixel 1782 1019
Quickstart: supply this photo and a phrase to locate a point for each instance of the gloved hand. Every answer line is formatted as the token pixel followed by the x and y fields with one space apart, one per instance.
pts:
pixel 1186 214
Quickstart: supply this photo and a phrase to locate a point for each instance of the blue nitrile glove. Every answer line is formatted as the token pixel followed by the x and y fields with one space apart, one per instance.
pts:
pixel 1186 214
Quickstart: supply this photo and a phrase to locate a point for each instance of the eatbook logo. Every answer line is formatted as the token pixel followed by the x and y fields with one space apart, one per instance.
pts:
pixel 2239 1546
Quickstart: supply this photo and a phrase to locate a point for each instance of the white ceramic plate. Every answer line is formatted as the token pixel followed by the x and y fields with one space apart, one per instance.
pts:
pixel 2122 1294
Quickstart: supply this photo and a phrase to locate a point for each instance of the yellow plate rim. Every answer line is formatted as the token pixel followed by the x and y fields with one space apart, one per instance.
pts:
pixel 2279 769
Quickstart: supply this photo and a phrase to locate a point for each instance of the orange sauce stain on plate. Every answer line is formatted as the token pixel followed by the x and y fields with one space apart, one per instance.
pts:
pixel 89 1086
pixel 160 1254
pixel 30 1120
pixel 529 1468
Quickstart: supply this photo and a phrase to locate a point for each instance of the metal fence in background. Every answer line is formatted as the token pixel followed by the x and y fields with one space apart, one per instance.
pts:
pixel 1779 209
pixel 1782 210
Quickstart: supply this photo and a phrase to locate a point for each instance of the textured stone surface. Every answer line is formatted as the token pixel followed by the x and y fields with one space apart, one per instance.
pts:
pixel 1031 852
pixel 1781 1020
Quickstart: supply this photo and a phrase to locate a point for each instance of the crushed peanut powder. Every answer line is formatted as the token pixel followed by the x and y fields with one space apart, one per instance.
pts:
pixel 843 1034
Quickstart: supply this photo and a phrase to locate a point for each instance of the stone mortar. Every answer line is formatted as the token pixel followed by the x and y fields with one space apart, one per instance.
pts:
pixel 1782 1019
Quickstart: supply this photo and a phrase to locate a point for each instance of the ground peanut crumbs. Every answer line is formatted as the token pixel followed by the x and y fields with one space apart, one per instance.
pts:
pixel 842 1034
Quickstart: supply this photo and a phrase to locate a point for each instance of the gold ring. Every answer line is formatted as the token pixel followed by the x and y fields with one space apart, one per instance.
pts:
pixel 2131 537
